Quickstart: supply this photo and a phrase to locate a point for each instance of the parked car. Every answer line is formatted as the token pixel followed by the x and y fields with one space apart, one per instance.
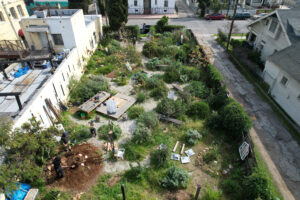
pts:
pixel 241 16
pixel 215 16
pixel 258 16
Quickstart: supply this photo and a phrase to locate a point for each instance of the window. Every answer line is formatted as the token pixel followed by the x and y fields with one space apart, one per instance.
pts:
pixel 62 89
pixel 55 90
pixel 284 81
pixel 1 17
pixel 58 40
pixel 166 3
pixel 13 13
pixel 20 10
pixel 273 26
pixel 155 2
pixel 63 76
pixel 135 3
pixel 69 68
pixel 298 97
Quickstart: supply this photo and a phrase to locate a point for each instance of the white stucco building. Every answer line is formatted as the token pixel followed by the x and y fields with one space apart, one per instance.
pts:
pixel 151 6
pixel 277 36
pixel 64 31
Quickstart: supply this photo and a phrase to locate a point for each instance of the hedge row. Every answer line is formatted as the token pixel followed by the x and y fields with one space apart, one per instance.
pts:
pixel 132 30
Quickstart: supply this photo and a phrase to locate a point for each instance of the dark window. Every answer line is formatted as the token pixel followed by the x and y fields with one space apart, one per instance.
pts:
pixel 42 119
pixel 135 3
pixel 1 17
pixel 273 26
pixel 166 3
pixel 55 90
pixel 13 13
pixel 155 2
pixel 298 97
pixel 284 81
pixel 95 38
pixel 68 75
pixel 58 40
pixel 69 68
pixel 62 89
pixel 20 10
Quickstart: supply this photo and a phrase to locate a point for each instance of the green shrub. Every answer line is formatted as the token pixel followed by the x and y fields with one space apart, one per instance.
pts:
pixel 159 27
pixel 214 121
pixel 134 173
pixel 232 187
pixel 135 112
pixel 210 155
pixel 152 63
pixel 132 31
pixel 140 77
pixel 154 81
pixel 221 36
pixel 235 43
pixel 142 134
pixel 192 136
pixel 192 73
pixel 105 69
pixel 80 133
pixel 159 157
pixel 175 178
pixel 235 119
pixel 114 46
pixel 218 100
pixel 149 119
pixel 103 132
pixel 160 91
pixel 197 89
pixel 56 194
pixel 255 56
pixel 151 50
pixel 199 110
pixel 257 186
pixel 172 74
pixel 92 64
pixel 171 28
pixel 211 194
pixel 213 77
pixel 170 108
pixel 141 97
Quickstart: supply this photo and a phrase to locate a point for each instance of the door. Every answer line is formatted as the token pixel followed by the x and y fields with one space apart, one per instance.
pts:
pixel 147 6
pixel 44 40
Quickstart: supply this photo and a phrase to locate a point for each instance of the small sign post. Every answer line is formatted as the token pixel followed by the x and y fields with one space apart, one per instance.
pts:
pixel 244 150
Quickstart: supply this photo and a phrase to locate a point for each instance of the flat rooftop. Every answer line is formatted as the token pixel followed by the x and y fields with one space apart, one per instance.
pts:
pixel 54 13
pixel 27 84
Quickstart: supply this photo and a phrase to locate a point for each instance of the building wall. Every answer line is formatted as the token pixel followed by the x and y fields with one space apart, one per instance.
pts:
pixel 261 30
pixel 157 7
pixel 70 67
pixel 285 95
pixel 6 30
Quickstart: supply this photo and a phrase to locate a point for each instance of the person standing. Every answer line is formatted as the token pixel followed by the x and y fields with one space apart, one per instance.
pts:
pixel 65 140
pixel 93 129
pixel 57 167
pixel 134 41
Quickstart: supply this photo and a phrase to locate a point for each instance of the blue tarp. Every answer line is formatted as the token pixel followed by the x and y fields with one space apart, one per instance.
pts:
pixel 21 72
pixel 20 193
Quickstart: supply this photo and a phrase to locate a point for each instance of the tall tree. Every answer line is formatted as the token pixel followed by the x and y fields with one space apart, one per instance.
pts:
pixel 117 13
pixel 80 4
pixel 203 4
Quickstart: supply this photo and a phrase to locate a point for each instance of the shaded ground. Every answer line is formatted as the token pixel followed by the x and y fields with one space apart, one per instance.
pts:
pixel 88 164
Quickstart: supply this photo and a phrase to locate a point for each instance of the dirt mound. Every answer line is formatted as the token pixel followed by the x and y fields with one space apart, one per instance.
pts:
pixel 82 167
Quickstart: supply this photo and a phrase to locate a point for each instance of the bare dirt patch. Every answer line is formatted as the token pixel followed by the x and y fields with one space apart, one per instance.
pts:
pixel 86 163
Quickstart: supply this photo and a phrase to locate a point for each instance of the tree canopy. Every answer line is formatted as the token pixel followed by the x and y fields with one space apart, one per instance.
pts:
pixel 117 13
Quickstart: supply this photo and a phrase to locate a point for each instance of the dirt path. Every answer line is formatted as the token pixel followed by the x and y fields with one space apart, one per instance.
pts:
pixel 274 142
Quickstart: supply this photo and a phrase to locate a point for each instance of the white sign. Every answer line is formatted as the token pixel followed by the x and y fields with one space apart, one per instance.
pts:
pixel 244 150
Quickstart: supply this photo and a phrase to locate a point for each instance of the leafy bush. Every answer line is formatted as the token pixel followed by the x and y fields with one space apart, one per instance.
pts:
pixel 159 27
pixel 258 186
pixel 214 121
pixel 80 133
pixel 170 108
pixel 141 97
pixel 87 88
pixel 235 43
pixel 213 77
pixel 210 156
pixel 171 28
pixel 255 56
pixel 105 69
pixel 211 194
pixel 172 74
pixel 192 73
pixel 235 120
pixel 134 173
pixel 219 100
pixel 103 132
pixel 159 158
pixel 199 110
pixel 232 187
pixel 160 91
pixel 175 178
pixel 56 194
pixel 142 134
pixel 132 31
pixel 222 37
pixel 113 47
pixel 151 50
pixel 149 119
pixel 135 112
pixel 197 89
pixel 192 136
pixel 154 81
pixel 152 63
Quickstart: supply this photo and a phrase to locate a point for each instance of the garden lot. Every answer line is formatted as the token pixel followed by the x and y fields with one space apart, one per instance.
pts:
pixel 212 125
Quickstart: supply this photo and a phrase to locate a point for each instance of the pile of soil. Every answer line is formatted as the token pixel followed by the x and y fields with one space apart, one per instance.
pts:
pixel 82 167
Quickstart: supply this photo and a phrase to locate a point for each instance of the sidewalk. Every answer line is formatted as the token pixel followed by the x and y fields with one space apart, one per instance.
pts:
pixel 153 16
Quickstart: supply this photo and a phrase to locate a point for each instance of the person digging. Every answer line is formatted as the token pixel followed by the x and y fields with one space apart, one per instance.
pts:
pixel 93 129
pixel 57 167
pixel 65 141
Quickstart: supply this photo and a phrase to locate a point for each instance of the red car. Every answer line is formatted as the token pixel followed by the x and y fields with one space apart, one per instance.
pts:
pixel 216 16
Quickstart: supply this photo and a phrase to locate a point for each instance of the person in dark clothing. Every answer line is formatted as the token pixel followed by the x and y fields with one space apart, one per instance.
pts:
pixel 65 140
pixel 93 129
pixel 57 167
pixel 134 41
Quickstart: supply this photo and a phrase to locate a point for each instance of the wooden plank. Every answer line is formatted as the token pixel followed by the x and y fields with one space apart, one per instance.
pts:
pixel 182 149
pixel 168 119
pixel 32 194
pixel 175 147
pixel 91 104
pixel 121 110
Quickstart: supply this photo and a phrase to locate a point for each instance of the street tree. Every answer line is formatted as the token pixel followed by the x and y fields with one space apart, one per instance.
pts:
pixel 203 5
pixel 117 14
pixel 80 4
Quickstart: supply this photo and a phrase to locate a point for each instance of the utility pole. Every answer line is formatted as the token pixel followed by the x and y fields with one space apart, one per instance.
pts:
pixel 231 26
